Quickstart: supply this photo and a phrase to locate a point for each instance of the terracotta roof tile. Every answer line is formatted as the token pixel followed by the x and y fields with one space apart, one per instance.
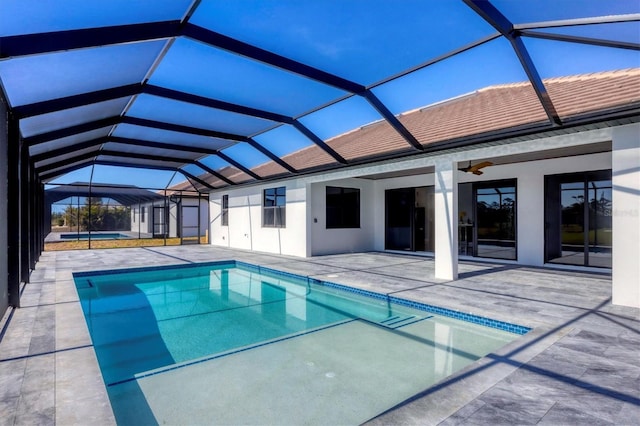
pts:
pixel 592 92
pixel 490 109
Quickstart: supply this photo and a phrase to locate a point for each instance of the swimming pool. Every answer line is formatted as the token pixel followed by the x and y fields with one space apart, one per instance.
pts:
pixel 229 342
pixel 94 236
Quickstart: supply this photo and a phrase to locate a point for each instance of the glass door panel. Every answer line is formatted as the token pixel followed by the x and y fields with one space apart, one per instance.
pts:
pixel 578 219
pixel 572 223
pixel 495 206
pixel 599 248
pixel 424 227
pixel 399 218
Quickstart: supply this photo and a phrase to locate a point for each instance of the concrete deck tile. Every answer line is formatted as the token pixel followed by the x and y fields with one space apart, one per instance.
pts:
pixel 524 408
pixel 461 416
pixel 37 400
pixel 497 416
pixel 578 366
pixel 81 396
pixel 11 377
pixel 8 408
pixel 70 327
pixel 561 414
pixel 308 268
pixel 66 291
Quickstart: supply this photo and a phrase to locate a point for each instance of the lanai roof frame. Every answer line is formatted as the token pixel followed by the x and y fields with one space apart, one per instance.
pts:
pixel 164 32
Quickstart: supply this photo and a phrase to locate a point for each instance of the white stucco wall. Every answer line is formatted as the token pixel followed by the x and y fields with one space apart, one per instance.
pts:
pixel 327 241
pixel 305 202
pixel 137 225
pixel 245 204
pixel 245 210
pixel 530 195
pixel 245 230
pixel 626 216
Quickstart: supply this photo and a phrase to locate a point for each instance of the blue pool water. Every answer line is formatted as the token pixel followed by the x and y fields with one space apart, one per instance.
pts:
pixel 94 236
pixel 149 325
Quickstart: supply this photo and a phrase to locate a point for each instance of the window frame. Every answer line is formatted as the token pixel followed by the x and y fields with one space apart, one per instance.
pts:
pixel 274 207
pixel 224 212
pixel 340 212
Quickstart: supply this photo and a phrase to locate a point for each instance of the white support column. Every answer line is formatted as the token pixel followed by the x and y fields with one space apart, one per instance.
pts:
pixel 626 216
pixel 446 220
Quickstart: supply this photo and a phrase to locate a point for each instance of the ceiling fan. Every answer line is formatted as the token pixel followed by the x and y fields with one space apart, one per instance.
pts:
pixel 475 169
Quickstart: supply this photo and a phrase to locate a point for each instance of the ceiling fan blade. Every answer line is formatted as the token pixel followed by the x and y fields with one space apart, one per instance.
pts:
pixel 479 166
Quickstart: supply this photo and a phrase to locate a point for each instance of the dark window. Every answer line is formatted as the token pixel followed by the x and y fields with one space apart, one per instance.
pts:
pixel 343 207
pixel 225 210
pixel 142 213
pixel 274 207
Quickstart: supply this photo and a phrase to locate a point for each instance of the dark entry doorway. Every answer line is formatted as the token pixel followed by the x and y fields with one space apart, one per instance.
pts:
pixel 410 219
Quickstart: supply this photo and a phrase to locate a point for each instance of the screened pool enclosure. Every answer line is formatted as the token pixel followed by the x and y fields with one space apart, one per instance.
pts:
pixel 231 94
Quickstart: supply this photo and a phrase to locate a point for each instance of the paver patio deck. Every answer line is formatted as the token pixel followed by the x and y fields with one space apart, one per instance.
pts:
pixel 579 365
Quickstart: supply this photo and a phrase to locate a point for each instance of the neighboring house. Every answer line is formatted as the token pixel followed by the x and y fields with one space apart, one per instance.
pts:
pixel 179 215
pixel 528 205
pixel 125 195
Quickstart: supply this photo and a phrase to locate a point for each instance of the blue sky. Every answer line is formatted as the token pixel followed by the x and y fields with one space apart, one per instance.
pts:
pixel 361 40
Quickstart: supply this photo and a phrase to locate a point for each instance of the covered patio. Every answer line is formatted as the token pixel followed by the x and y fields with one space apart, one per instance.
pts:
pixel 276 113
pixel 578 365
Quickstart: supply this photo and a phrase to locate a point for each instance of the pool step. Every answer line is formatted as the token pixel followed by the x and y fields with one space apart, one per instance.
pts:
pixel 398 321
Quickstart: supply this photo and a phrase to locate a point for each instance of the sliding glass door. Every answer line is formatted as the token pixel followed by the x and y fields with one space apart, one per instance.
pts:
pixel 409 219
pixel 495 225
pixel 578 210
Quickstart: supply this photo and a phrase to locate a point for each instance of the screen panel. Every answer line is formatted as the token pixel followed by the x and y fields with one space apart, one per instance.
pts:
pixel 186 114
pixel 217 74
pixel 72 116
pixel 58 158
pixel 134 149
pixel 37 16
pixel 569 73
pixel 167 136
pixel 520 12
pixel 493 63
pixel 362 40
pixel 253 159
pixel 69 140
pixel 36 78
pixel 627 32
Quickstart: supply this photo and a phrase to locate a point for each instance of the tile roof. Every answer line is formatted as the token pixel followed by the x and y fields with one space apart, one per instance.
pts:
pixel 489 109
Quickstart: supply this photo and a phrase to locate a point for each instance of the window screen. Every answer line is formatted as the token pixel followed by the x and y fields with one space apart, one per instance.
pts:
pixel 274 207
pixel 225 210
pixel 343 207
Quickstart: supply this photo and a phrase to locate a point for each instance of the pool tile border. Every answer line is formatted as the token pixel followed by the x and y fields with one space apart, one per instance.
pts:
pixel 468 317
